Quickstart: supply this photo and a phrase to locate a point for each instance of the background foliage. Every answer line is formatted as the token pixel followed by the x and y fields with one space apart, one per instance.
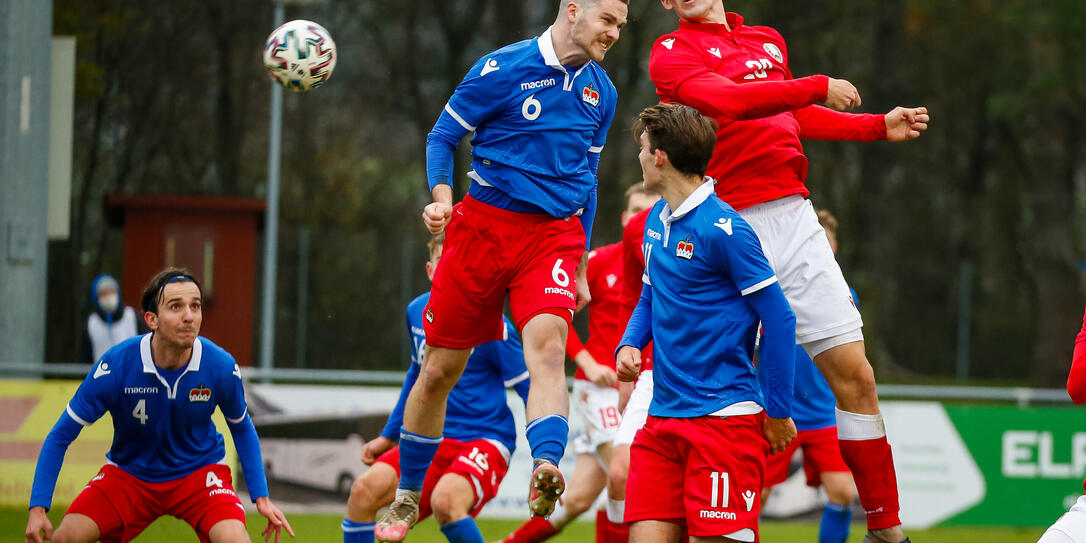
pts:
pixel 171 99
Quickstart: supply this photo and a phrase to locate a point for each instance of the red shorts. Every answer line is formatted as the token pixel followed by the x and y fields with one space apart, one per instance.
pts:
pixel 489 252
pixel 821 453
pixel 123 506
pixel 479 461
pixel 720 462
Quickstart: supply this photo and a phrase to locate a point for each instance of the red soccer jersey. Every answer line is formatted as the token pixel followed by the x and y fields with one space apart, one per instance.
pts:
pixel 633 267
pixel 604 330
pixel 741 79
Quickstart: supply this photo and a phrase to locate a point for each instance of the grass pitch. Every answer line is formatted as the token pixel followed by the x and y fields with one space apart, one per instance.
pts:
pixel 325 529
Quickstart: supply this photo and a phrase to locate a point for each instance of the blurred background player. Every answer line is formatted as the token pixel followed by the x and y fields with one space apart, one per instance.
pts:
pixel 110 323
pixel 160 389
pixel 595 400
pixel 479 436
pixel 1071 527
pixel 816 425
pixel 699 460
pixel 522 231
pixel 739 76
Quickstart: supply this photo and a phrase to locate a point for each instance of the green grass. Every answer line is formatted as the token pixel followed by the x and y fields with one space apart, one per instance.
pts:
pixel 325 529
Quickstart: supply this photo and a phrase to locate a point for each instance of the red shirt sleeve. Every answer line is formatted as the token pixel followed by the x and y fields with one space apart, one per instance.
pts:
pixel 822 123
pixel 1076 381
pixel 633 266
pixel 681 75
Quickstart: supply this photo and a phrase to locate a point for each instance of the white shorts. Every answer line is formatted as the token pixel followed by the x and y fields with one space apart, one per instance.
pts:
pixel 1070 528
pixel 797 249
pixel 597 409
pixel 637 409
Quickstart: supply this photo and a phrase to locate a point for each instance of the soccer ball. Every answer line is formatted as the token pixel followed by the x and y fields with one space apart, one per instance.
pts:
pixel 300 55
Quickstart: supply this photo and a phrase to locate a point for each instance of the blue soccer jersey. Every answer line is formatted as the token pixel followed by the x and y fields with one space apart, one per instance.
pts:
pixel 703 266
pixel 476 408
pixel 162 428
pixel 539 128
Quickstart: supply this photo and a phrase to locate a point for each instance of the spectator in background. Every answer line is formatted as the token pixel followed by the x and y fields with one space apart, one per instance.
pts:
pixel 111 322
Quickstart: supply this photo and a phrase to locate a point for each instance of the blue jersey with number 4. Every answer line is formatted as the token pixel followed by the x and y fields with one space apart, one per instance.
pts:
pixel 539 128
pixel 162 426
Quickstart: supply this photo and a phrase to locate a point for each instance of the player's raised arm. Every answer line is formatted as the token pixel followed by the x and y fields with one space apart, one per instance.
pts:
pixel 679 72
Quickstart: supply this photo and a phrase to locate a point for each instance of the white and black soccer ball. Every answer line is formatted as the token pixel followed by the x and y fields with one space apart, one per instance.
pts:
pixel 300 55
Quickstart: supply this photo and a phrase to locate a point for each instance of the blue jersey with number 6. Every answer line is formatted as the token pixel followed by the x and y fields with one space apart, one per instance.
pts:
pixel 539 128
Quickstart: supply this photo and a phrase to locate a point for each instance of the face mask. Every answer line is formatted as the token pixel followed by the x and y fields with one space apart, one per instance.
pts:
pixel 109 303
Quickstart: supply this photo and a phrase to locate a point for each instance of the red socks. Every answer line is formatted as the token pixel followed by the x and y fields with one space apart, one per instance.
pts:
pixel 536 529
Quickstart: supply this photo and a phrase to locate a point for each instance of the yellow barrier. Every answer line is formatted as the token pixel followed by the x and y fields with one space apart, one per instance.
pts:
pixel 28 410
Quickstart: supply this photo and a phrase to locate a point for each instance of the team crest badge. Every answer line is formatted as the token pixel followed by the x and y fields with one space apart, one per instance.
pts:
pixel 685 249
pixel 200 394
pixel 429 316
pixel 773 51
pixel 590 95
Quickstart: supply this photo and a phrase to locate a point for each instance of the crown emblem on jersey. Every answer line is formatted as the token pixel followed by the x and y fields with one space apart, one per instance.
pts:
pixel 590 95
pixel 685 249
pixel 200 394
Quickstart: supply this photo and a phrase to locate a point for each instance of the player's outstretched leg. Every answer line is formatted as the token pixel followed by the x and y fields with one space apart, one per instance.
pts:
pixel 420 437
pixel 547 409
pixel 862 436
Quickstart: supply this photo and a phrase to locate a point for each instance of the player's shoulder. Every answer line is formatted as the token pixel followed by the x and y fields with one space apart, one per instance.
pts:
pixel 505 62
pixel 766 32
pixel 717 215
pixel 419 302
pixel 215 358
pixel 120 360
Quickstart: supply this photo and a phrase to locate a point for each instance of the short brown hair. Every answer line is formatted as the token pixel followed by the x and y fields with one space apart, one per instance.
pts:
pixel 680 131
pixel 152 293
pixel 636 188
pixel 827 220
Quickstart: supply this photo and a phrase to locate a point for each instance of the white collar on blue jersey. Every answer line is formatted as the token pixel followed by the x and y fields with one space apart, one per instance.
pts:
pixel 695 199
pixel 546 48
pixel 149 363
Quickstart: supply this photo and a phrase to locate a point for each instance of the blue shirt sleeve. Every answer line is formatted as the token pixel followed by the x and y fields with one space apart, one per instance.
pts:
pixel 252 465
pixel 778 354
pixel 395 418
pixel 475 100
pixel 232 401
pixel 95 394
pixel 639 329
pixel 588 216
pixel 50 459
pixel 741 254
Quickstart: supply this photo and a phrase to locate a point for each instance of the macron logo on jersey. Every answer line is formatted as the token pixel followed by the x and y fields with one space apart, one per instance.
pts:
pixel 715 51
pixel 102 369
pixel 668 43
pixel 724 224
pixel 490 65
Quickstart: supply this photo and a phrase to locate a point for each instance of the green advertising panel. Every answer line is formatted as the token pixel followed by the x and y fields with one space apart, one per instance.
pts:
pixel 1033 461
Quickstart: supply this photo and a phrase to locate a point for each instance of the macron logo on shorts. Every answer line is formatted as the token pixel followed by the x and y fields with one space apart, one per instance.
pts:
pixel 726 515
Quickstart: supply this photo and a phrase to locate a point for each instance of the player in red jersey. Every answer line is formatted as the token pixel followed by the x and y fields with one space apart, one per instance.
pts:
pixel 595 400
pixel 1071 527
pixel 739 76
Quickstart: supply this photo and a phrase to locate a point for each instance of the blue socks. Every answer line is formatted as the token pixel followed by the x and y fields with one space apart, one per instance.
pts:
pixel 547 436
pixel 462 531
pixel 357 532
pixel 416 454
pixel 835 523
